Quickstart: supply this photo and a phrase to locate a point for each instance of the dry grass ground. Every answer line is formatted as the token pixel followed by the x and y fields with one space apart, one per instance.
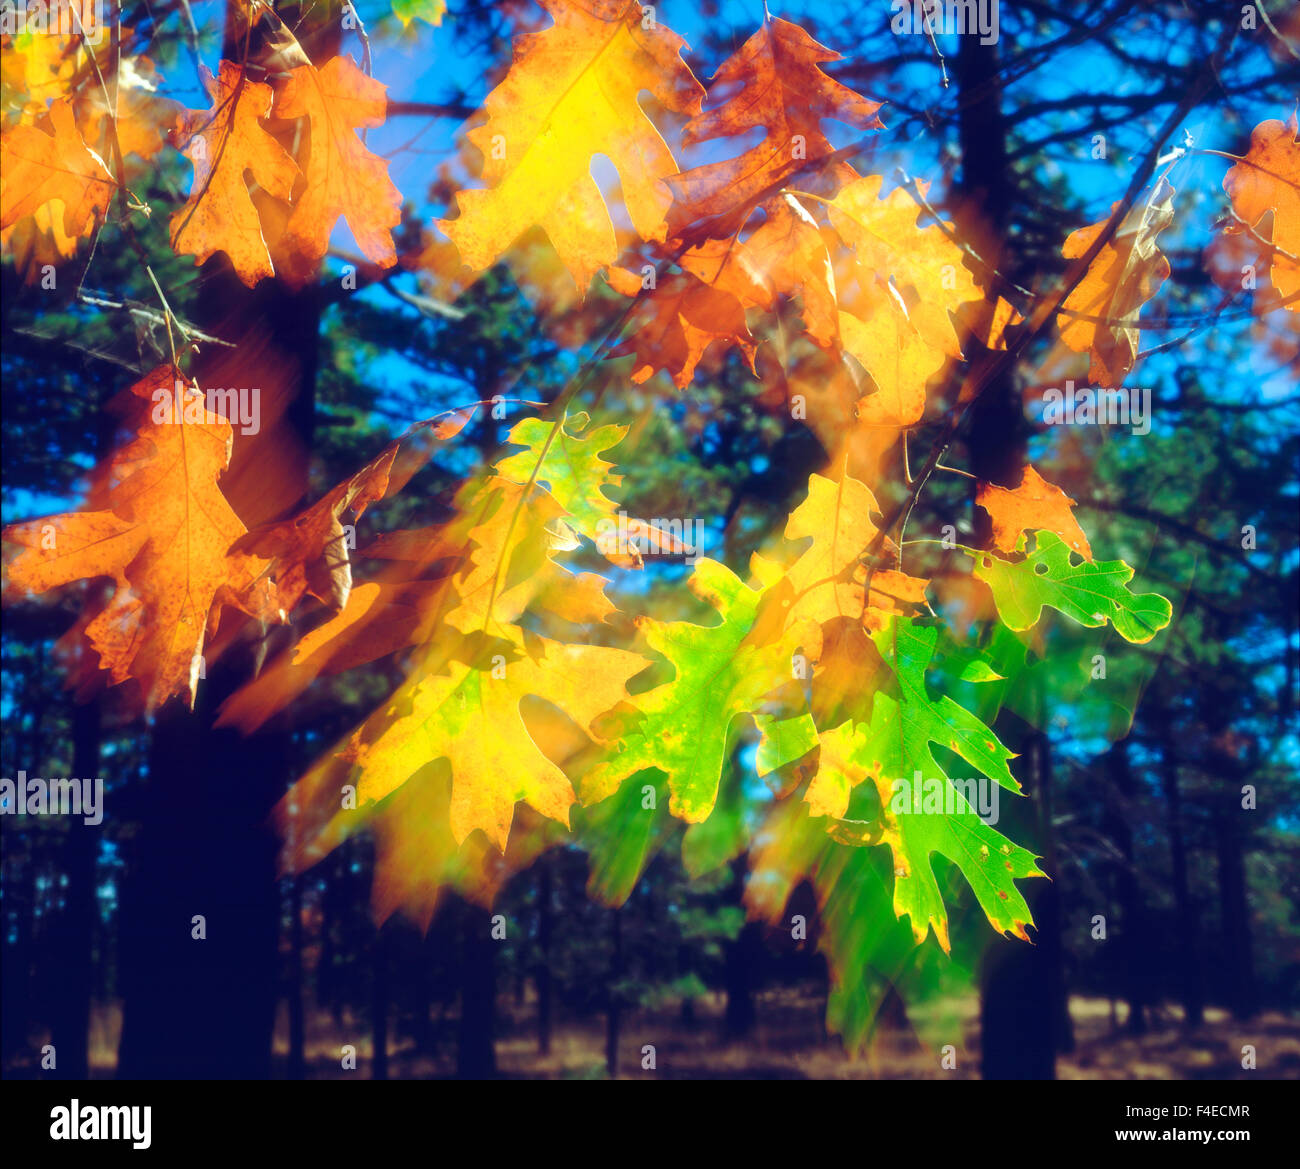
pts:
pixel 789 1042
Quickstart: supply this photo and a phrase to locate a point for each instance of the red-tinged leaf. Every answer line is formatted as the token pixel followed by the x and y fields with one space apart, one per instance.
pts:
pixel 223 143
pixel 774 82
pixel 342 177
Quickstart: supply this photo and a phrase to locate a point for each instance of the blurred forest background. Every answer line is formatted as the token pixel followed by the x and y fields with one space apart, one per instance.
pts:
pixel 1140 818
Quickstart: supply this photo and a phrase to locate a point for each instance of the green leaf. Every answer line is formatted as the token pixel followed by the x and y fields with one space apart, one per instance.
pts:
pixel 909 650
pixel 782 740
pixel 920 810
pixel 707 847
pixel 620 836
pixel 685 723
pixel 569 466
pixel 867 948
pixel 429 11
pixel 976 670
pixel 1090 593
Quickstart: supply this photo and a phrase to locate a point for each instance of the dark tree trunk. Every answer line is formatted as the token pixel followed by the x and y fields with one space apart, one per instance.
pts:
pixel 543 974
pixel 891 1015
pixel 71 944
pixel 1050 934
pixel 329 989
pixel 379 1004
pixel 1023 1021
pixel 1189 966
pixel 1234 912
pixel 476 1051
pixel 740 962
pixel 614 999
pixel 19 946
pixel 1023 990
pixel 1131 948
pixel 202 1009
pixel 297 1066
pixel 206 1009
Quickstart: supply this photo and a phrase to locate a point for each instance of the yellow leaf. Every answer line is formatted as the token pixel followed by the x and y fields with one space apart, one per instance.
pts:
pixel 571 93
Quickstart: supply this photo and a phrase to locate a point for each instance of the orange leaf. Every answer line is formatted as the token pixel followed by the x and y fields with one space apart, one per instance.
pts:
pixel 164 539
pixel 310 550
pixel 1125 274
pixel 898 360
pixel 1268 179
pixel 223 143
pixel 887 243
pixel 343 177
pixel 682 318
pixel 142 119
pixel 778 86
pixel 38 240
pixel 784 255
pixel 1035 504
pixel 36 167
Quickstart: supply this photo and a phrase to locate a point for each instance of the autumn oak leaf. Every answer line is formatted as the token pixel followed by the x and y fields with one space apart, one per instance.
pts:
pixel 677 322
pixel 920 811
pixel 774 82
pixel 1034 504
pixel 342 176
pixel 888 245
pixel 571 93
pixel 1091 593
pixel 165 541
pixel 684 725
pixel 784 255
pixel 223 143
pixel 37 167
pixel 828 579
pixel 1125 274
pixel 1268 179
pixel 471 716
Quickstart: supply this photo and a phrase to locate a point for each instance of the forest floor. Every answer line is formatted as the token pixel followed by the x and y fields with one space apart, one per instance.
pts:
pixel 788 1042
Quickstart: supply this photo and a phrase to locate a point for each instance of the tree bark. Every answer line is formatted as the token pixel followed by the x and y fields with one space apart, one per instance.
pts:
pixel 740 958
pixel 1189 972
pixel 297 1065
pixel 476 1050
pixel 71 949
pixel 614 1000
pixel 1023 1020
pixel 543 975
pixel 379 1004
